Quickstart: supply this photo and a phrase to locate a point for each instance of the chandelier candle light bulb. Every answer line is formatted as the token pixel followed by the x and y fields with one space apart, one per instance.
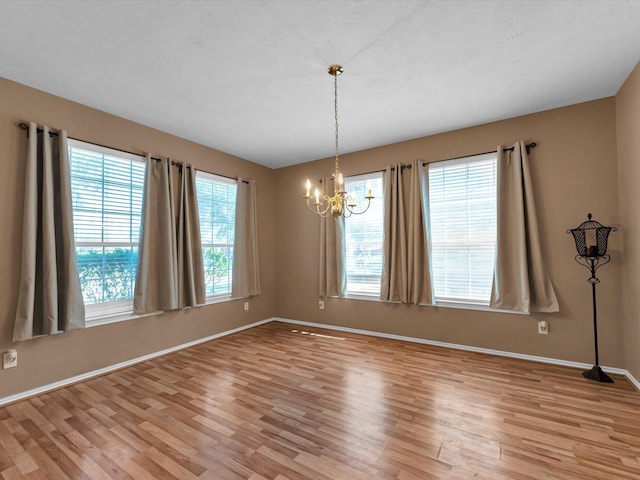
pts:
pixel 341 203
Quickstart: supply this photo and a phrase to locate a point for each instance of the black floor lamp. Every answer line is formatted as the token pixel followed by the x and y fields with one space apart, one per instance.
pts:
pixel 591 243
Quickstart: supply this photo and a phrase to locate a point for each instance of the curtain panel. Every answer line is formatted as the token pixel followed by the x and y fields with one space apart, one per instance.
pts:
pixel 395 284
pixel 406 275
pixel 246 266
pixel 419 274
pixel 332 269
pixel 50 297
pixel 520 281
pixel 191 289
pixel 170 273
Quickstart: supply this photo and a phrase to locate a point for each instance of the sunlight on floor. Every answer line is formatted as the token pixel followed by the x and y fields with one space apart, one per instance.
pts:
pixel 313 334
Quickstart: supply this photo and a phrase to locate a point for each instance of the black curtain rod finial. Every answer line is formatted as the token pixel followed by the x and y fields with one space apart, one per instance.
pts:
pixel 529 146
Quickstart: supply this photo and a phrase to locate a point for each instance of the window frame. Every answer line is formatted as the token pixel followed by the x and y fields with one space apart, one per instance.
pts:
pixel 116 310
pixel 227 295
pixel 465 303
pixel 378 197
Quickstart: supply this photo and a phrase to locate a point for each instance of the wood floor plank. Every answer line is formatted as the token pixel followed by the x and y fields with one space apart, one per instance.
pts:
pixel 280 402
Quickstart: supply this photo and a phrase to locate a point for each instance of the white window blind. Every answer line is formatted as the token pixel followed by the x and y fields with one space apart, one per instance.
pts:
pixel 217 211
pixel 107 187
pixel 462 205
pixel 364 236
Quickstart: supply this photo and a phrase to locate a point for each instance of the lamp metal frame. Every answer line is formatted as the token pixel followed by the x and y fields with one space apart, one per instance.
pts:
pixel 593 256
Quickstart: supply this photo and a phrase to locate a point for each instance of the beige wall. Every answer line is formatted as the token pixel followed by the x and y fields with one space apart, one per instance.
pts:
pixel 46 360
pixel 574 169
pixel 628 136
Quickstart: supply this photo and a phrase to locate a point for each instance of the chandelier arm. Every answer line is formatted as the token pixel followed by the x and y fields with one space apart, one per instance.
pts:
pixel 353 212
pixel 317 210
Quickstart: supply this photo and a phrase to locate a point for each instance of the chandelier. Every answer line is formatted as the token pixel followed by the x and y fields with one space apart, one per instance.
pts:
pixel 340 203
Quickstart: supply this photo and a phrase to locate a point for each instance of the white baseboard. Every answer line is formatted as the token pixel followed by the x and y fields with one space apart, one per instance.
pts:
pixel 632 379
pixel 117 366
pixel 133 361
pixel 501 353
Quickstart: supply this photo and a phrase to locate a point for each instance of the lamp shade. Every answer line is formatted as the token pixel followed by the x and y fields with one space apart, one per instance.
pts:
pixel 591 238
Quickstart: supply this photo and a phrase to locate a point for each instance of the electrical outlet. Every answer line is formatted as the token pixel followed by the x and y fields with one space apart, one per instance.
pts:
pixel 246 306
pixel 321 304
pixel 543 327
pixel 9 359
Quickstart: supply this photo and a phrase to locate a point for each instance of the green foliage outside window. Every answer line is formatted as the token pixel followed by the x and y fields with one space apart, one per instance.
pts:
pixel 108 276
pixel 216 267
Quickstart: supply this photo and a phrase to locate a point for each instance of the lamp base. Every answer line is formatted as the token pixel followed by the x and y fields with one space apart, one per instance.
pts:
pixel 597 375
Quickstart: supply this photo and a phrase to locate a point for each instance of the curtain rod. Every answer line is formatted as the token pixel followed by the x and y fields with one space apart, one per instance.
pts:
pixel 54 133
pixel 528 146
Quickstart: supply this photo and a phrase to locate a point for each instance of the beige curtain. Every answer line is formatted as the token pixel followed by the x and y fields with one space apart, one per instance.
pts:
pixel 406 274
pixel 170 272
pixel 332 271
pixel 50 298
pixel 418 250
pixel 520 281
pixel 395 281
pixel 246 267
pixel 190 264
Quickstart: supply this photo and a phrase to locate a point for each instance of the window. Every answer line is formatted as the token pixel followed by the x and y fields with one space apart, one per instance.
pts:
pixel 106 187
pixel 364 236
pixel 462 206
pixel 217 211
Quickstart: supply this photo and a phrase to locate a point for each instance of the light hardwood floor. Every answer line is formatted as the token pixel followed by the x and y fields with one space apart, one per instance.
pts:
pixel 285 402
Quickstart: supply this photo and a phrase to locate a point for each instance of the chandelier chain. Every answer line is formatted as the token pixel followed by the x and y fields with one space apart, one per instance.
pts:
pixel 335 97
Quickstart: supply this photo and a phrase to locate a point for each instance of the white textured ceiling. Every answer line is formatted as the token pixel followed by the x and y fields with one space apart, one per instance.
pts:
pixel 248 77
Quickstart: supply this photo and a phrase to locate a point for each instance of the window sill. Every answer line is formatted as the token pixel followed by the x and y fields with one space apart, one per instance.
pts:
pixel 125 316
pixel 473 306
pixel 441 303
pixel 361 296
pixel 219 299
pixel 122 317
